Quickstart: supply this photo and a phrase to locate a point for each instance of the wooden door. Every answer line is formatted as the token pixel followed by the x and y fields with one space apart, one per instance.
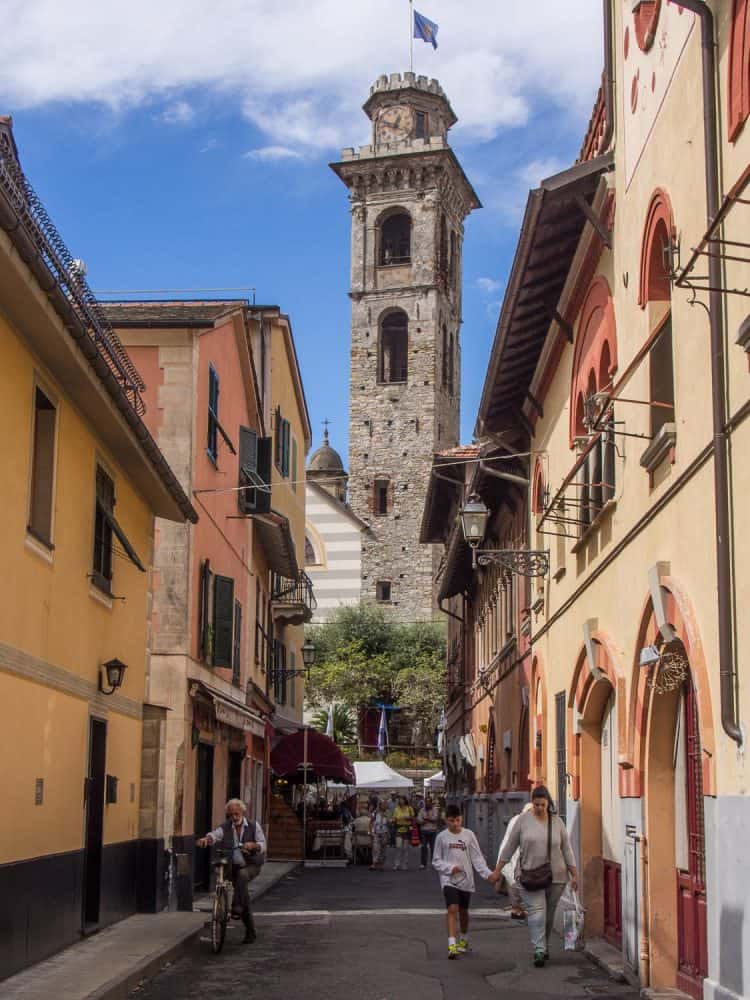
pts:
pixel 612 845
pixel 204 793
pixel 92 863
pixel 692 941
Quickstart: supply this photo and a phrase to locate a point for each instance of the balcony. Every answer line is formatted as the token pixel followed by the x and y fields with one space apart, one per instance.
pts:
pixel 292 601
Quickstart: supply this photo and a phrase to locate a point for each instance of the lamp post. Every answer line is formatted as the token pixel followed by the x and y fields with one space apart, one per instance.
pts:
pixel 115 671
pixel 308 653
pixel 526 562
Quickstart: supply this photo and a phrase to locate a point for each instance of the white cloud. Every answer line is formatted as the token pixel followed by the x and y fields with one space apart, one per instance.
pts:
pixel 177 113
pixel 272 153
pixel 488 285
pixel 300 70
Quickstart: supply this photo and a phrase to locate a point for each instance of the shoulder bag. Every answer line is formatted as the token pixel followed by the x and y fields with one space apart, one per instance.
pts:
pixel 533 879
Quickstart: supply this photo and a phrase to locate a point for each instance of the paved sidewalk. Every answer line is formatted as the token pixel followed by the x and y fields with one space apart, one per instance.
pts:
pixel 108 965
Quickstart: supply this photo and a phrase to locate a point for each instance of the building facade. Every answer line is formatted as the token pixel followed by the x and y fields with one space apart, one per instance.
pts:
pixel 333 535
pixel 84 483
pixel 627 380
pixel 230 595
pixel 409 200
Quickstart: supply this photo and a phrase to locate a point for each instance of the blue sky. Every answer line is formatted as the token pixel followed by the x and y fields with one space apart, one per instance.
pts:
pixel 174 150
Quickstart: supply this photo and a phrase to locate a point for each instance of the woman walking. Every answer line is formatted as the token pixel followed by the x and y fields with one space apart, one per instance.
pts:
pixel 545 863
pixel 403 816
pixel 381 835
pixel 427 819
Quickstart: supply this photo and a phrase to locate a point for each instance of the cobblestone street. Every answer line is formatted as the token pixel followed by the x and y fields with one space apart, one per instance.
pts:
pixel 376 936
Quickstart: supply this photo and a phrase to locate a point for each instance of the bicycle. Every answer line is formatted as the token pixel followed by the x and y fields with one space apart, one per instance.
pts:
pixel 222 905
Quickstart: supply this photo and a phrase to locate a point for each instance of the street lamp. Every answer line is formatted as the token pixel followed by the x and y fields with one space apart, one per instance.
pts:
pixel 115 670
pixel 527 562
pixel 308 653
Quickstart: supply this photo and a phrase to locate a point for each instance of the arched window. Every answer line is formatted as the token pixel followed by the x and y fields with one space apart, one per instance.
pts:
pixel 538 497
pixel 594 364
pixel 656 287
pixel 393 365
pixel 451 365
pixel 739 68
pixel 310 558
pixel 395 239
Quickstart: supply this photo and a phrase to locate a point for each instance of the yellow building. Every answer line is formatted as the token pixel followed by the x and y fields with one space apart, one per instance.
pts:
pixel 620 365
pixel 83 482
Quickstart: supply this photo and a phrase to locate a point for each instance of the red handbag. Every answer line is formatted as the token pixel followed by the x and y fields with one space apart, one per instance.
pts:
pixel 414 833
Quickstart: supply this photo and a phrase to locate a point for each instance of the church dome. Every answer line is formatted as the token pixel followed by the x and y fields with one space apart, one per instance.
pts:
pixel 325 459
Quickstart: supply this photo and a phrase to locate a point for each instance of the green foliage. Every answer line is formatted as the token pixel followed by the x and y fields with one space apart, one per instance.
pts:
pixel 363 656
pixel 344 728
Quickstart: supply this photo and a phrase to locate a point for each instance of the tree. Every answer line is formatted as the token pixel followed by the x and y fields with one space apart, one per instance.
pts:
pixel 344 728
pixel 363 657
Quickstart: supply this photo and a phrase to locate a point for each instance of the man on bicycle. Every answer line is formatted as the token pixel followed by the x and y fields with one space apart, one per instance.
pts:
pixel 248 854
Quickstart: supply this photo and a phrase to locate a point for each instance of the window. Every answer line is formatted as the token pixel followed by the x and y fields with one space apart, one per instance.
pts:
pixel 105 502
pixel 445 356
pixel 310 558
pixel 282 436
pixel 223 644
pixel 420 127
pixel 383 591
pixel 294 464
pixel 106 530
pixel 212 444
pixel 562 766
pixel 292 680
pixel 382 494
pixel 205 626
pixel 279 685
pixel 739 68
pixel 453 265
pixel 258 626
pixel 393 353
pixel 254 473
pixel 443 249
pixel 237 644
pixel 661 379
pixel 42 468
pixel 395 239
pixel 451 366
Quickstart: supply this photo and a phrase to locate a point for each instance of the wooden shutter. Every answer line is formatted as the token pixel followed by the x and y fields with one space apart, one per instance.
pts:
pixel 286 432
pixel 263 497
pixel 213 412
pixel 237 645
pixel 562 767
pixel 248 466
pixel 277 438
pixel 223 614
pixel 204 639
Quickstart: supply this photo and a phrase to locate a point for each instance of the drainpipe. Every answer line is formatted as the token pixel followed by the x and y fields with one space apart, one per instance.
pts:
pixel 608 82
pixel 727 674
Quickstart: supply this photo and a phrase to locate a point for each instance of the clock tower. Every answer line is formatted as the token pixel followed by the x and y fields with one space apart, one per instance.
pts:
pixel 409 198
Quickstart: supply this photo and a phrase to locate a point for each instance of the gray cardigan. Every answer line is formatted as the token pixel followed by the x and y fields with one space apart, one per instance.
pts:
pixel 531 836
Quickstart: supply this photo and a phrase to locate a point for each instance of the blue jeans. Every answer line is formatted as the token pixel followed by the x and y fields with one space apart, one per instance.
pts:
pixel 540 909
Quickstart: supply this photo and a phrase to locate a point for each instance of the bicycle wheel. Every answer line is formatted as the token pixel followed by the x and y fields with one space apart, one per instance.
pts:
pixel 219 917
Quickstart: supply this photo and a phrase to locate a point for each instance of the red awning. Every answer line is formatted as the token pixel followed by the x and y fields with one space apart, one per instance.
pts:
pixel 324 758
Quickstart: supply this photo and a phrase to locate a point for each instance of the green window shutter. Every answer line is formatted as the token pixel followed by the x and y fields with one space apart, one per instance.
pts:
pixel 263 497
pixel 204 625
pixel 213 412
pixel 223 614
pixel 277 434
pixel 248 467
pixel 294 464
pixel 286 431
pixel 237 646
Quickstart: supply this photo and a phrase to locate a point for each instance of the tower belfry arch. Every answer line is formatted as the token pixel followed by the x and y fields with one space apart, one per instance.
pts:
pixel 409 198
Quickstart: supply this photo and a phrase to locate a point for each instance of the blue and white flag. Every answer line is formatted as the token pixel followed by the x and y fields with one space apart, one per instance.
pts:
pixel 329 723
pixel 382 733
pixel 425 29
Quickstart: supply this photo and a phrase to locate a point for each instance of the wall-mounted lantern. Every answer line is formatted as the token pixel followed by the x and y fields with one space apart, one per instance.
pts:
pixel 115 671
pixel 526 562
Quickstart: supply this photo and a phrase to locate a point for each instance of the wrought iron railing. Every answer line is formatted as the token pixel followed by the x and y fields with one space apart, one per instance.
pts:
pixel 55 254
pixel 299 591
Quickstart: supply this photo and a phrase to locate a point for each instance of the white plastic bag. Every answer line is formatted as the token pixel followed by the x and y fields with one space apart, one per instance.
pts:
pixel 573 918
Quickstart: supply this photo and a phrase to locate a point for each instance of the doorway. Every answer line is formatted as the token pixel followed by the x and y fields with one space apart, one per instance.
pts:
pixel 204 795
pixel 234 774
pixel 92 859
pixel 612 846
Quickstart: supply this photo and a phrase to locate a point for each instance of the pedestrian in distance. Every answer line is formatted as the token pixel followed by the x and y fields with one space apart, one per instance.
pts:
pixel 248 846
pixel 545 864
pixel 456 855
pixel 403 817
pixel 380 830
pixel 427 819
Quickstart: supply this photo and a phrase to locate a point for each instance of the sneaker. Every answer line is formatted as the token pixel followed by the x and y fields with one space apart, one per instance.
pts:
pixel 539 957
pixel 423 867
pixel 453 951
pixel 463 945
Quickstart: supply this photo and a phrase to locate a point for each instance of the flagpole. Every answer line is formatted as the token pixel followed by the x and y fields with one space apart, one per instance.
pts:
pixel 411 36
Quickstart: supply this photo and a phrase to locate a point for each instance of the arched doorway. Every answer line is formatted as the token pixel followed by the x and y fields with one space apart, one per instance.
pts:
pixel 597 723
pixel 674 764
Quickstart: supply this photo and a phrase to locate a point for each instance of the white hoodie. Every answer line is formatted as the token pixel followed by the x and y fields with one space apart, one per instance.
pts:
pixel 458 850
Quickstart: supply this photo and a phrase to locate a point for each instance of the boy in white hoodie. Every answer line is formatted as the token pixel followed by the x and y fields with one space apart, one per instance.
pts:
pixel 455 856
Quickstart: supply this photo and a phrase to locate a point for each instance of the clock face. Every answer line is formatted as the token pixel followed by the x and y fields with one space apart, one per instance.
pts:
pixel 394 124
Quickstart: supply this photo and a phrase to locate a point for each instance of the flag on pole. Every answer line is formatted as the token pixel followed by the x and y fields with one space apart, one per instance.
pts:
pixel 329 724
pixel 425 29
pixel 441 732
pixel 382 733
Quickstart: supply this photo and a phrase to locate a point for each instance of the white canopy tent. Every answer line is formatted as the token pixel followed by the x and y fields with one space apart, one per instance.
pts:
pixel 435 781
pixel 375 776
